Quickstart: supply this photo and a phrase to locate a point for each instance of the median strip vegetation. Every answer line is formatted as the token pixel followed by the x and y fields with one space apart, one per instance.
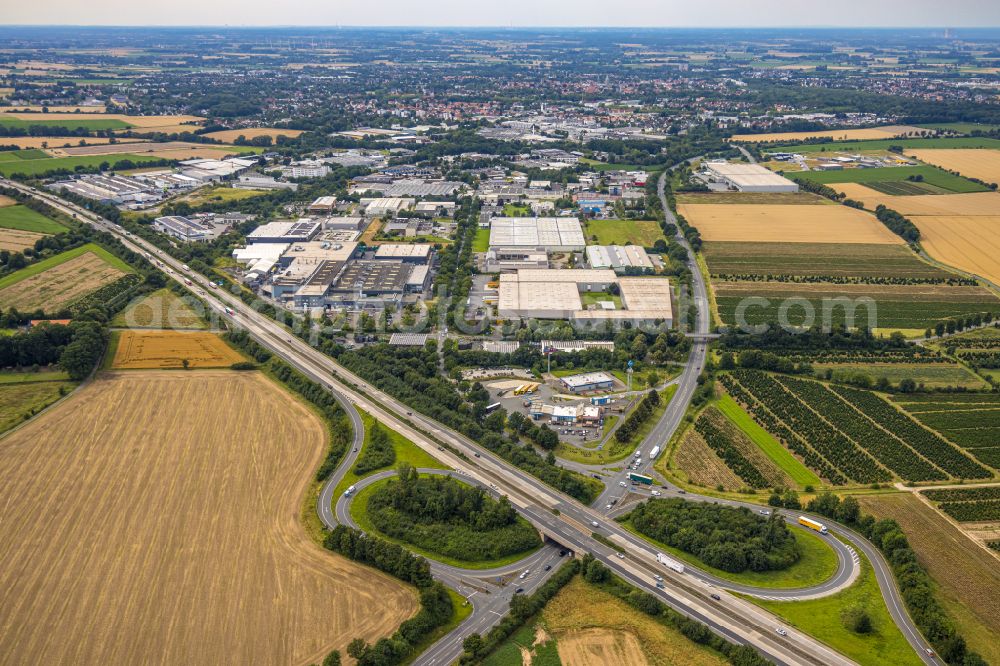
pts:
pixel 445 519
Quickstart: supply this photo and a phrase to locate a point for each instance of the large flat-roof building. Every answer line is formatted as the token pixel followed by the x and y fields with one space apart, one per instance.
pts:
pixel 284 232
pixel 555 234
pixel 411 253
pixel 182 228
pixel 556 294
pixel 618 257
pixel 588 381
pixel 749 177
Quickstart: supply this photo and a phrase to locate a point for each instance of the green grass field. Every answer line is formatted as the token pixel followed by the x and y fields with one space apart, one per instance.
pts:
pixel 220 195
pixel 32 377
pixel 964 128
pixel 406 451
pixel 25 219
pixel 68 123
pixel 46 264
pixel 605 166
pixel 481 243
pixel 25 154
pixel 822 619
pixel 624 232
pixel 40 166
pixel 21 400
pixel 817 564
pixel 359 511
pixel 884 144
pixel 931 176
pixel 771 447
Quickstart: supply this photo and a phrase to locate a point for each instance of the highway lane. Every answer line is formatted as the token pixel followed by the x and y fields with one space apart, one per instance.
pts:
pixel 569 526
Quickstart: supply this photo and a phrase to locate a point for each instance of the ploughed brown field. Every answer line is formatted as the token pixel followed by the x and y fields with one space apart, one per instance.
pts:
pixel 153 517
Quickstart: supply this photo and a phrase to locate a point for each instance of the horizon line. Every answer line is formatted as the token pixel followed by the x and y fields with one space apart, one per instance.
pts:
pixel 339 26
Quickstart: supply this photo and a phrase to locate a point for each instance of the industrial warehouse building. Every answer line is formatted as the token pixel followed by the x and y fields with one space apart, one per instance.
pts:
pixel 618 257
pixel 554 234
pixel 182 228
pixel 556 294
pixel 284 232
pixel 588 381
pixel 749 177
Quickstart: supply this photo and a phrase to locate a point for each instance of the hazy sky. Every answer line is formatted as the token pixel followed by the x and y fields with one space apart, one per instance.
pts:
pixel 651 13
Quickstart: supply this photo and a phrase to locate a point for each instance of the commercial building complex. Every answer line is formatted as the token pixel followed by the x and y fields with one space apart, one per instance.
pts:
pixel 554 234
pixel 748 177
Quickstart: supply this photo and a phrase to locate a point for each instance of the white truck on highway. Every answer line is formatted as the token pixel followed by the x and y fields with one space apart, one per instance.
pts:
pixel 655 452
pixel 670 563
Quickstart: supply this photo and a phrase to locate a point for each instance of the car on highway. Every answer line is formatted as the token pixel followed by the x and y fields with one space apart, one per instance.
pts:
pixel 607 506
pixel 681 491
pixel 620 556
pixel 781 631
pixel 716 597
pixel 594 523
pixel 562 553
pixel 622 484
pixel 658 577
pixel 524 574
pixel 765 512
pixel 548 567
pixel 519 590
pixel 656 493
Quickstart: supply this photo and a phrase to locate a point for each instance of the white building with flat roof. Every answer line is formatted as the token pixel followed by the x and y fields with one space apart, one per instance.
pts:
pixel 749 177
pixel 555 234
pixel 618 257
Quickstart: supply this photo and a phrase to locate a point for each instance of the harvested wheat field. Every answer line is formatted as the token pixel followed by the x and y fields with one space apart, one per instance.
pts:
pixel 60 285
pixel 137 121
pixel 228 136
pixel 580 608
pixel 971 203
pixel 967 574
pixel 16 240
pixel 6 201
pixel 888 132
pixel 967 242
pixel 170 506
pixel 786 224
pixel 981 163
pixel 169 349
pixel 140 148
pixel 56 141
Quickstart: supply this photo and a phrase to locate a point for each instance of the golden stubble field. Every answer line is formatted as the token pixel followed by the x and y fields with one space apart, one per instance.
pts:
pixel 16 240
pixel 168 349
pixel 786 224
pixel 60 285
pixel 981 163
pixel 887 132
pixel 152 518
pixel 970 203
pixel 968 242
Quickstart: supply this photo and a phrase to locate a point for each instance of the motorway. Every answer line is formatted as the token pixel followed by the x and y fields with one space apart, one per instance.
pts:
pixel 556 515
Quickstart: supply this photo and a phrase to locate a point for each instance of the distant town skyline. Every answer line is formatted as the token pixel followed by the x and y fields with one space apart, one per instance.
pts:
pixel 513 13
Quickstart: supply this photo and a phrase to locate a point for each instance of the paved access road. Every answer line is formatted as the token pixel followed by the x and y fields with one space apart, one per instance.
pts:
pixel 558 516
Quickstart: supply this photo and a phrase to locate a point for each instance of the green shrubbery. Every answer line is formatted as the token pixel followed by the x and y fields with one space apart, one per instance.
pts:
pixel 726 538
pixel 442 515
pixel 377 453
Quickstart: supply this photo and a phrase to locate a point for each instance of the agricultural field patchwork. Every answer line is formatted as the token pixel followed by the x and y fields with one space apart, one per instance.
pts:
pixel 972 163
pixel 887 132
pixel 57 282
pixel 885 144
pixel 786 224
pixel 892 307
pixel 169 349
pixel 837 260
pixel 847 434
pixel 731 447
pixel 967 576
pixel 40 166
pixel 927 175
pixel 183 507
pixel 970 420
pixel 970 203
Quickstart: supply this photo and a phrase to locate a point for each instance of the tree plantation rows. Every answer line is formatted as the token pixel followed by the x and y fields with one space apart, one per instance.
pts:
pixel 733 540
pixel 968 512
pixel 711 427
pixel 963 494
pixel 856 432
pixel 446 516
